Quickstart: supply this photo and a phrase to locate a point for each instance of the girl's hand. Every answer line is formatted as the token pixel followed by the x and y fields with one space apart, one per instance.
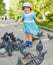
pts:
pixel 16 25
pixel 41 21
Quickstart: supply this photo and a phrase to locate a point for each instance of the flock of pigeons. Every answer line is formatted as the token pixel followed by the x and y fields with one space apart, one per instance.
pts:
pixel 10 43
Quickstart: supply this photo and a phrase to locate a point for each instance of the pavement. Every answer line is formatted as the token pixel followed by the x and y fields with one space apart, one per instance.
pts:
pixel 48 45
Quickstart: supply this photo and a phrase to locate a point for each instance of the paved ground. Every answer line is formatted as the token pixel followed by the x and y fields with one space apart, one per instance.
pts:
pixel 48 45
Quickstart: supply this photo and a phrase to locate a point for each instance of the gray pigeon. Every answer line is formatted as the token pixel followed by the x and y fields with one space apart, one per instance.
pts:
pixel 19 62
pixel 34 38
pixel 37 60
pixel 0 45
pixel 24 52
pixel 40 34
pixel 39 46
pixel 2 51
pixel 50 37
pixel 9 48
pixel 12 37
pixel 6 44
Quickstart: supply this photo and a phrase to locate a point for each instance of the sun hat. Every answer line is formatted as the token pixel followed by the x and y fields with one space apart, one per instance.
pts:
pixel 27 4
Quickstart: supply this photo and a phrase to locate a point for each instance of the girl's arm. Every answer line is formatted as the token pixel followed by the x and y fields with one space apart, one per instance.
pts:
pixel 19 20
pixel 36 18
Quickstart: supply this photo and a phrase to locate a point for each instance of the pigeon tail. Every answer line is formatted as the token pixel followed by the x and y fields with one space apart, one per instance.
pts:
pixel 19 62
pixel 26 55
pixel 44 53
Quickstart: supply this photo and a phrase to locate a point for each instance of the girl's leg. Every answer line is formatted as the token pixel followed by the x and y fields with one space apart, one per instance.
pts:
pixel 27 36
pixel 28 40
pixel 30 37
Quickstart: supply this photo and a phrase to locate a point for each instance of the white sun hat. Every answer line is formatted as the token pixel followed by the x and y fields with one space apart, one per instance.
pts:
pixel 27 4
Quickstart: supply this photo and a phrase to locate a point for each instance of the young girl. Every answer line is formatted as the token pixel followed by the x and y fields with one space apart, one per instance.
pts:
pixel 30 26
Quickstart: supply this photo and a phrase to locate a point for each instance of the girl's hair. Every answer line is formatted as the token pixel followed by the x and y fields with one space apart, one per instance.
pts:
pixel 26 6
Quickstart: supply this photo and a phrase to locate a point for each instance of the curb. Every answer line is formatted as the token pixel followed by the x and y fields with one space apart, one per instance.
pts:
pixel 45 28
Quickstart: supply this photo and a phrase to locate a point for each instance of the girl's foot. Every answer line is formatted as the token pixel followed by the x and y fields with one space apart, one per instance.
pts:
pixel 28 44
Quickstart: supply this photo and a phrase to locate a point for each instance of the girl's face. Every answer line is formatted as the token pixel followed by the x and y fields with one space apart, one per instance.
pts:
pixel 27 10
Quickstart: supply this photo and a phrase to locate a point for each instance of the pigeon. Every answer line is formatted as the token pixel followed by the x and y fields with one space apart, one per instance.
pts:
pixel 20 43
pixel 40 34
pixel 2 51
pixel 16 42
pixel 12 37
pixel 14 45
pixel 28 54
pixel 19 62
pixel 33 38
pixel 6 43
pixel 9 48
pixel 39 46
pixel 0 45
pixel 18 39
pixel 25 53
pixel 6 46
pixel 5 37
pixel 37 60
pixel 50 37
pixel 5 40
pixel 11 34
pixel 22 48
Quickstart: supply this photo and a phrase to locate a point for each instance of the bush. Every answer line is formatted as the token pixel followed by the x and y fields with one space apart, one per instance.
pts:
pixel 50 17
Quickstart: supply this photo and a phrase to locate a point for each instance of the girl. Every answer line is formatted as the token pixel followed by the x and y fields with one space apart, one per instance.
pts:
pixel 30 26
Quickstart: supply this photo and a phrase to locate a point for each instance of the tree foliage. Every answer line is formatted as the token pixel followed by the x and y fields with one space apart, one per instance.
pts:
pixel 37 6
pixel 2 8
